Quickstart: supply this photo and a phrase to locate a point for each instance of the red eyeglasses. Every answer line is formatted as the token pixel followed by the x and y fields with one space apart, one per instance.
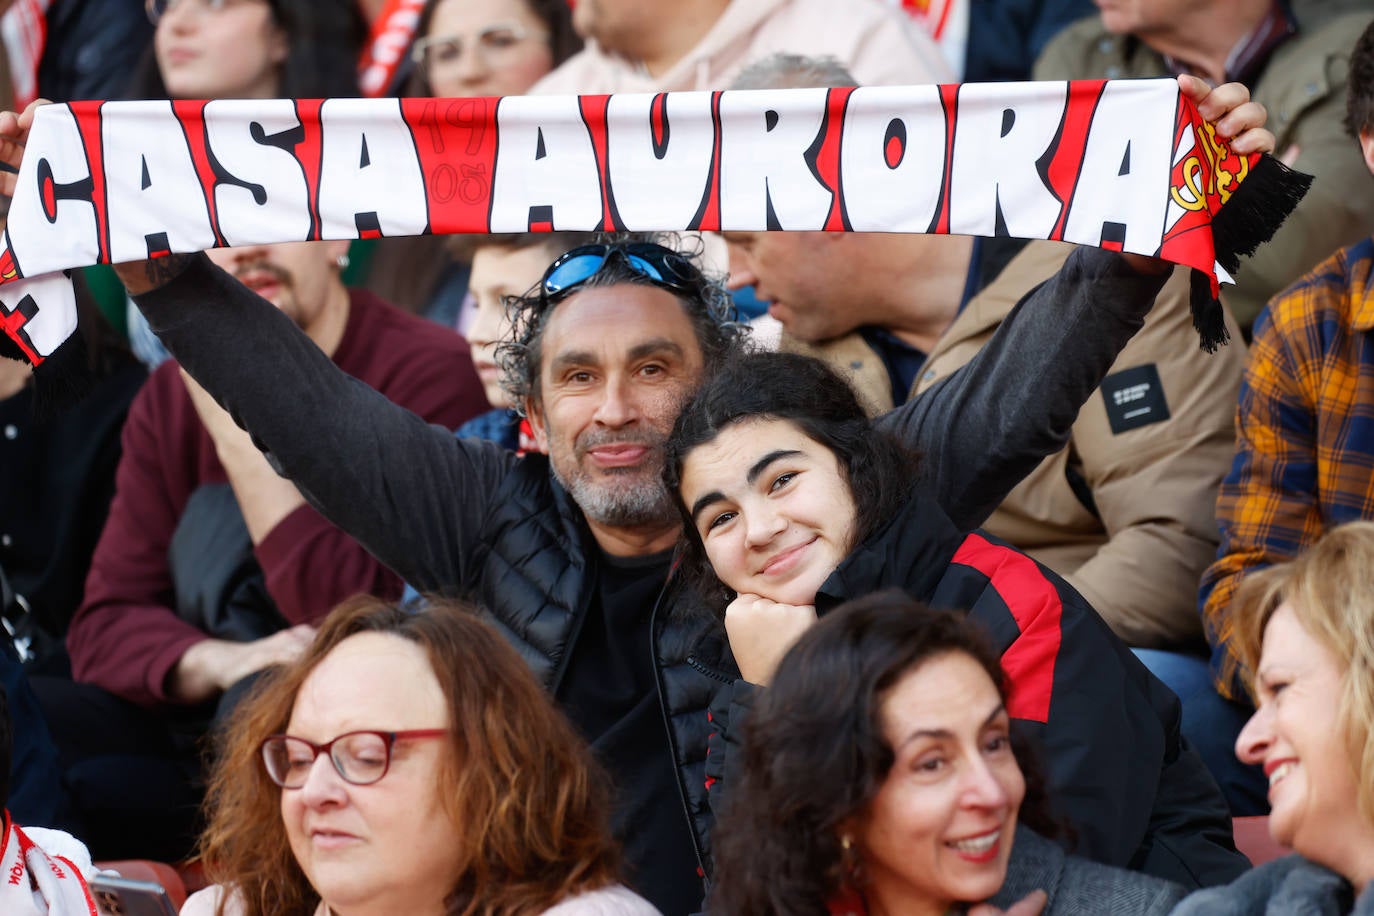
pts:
pixel 361 758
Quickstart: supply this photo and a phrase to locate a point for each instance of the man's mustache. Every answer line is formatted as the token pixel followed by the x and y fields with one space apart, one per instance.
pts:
pixel 280 274
pixel 646 437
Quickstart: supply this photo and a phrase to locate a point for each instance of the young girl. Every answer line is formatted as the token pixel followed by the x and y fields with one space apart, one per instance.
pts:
pixel 794 503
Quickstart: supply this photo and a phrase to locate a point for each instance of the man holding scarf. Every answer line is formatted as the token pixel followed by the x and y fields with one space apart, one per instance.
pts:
pixel 570 553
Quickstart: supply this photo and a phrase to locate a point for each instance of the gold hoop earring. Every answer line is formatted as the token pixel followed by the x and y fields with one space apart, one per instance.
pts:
pixel 850 865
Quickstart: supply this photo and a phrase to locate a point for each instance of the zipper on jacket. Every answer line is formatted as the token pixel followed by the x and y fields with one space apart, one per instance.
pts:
pixel 710 672
pixel 672 738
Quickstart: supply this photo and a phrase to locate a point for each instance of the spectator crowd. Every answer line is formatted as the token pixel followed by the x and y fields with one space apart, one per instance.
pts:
pixel 754 573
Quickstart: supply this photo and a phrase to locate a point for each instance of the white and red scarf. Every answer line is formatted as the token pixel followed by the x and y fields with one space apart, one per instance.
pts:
pixel 24 31
pixel 387 45
pixel 947 21
pixel 1127 165
pixel 33 883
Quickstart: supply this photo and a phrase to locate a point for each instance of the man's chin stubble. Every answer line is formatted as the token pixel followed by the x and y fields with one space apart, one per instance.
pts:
pixel 643 504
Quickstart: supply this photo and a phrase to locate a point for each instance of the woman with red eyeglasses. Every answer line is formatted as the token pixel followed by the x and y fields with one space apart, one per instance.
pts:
pixel 408 763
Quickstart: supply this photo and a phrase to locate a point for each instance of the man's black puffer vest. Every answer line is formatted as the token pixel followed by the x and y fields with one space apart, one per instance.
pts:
pixel 536 568
pixel 538 577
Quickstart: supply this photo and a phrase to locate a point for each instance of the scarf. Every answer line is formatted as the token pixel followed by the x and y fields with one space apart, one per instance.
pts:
pixel 947 22
pixel 24 31
pixel 387 45
pixel 1127 165
pixel 33 883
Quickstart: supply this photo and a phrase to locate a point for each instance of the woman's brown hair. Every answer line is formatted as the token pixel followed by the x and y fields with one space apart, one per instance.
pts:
pixel 530 800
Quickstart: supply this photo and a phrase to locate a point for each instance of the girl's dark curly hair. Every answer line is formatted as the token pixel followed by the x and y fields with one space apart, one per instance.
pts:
pixel 880 470
pixel 814 754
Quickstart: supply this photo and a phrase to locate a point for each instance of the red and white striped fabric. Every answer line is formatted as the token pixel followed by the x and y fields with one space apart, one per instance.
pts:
pixel 33 883
pixel 387 45
pixel 24 30
pixel 947 21
pixel 1127 165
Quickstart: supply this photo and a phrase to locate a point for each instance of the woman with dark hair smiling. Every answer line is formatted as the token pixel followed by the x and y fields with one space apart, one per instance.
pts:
pixel 879 777
pixel 793 503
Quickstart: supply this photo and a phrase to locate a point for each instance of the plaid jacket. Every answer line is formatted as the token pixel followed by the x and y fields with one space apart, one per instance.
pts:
pixel 1304 436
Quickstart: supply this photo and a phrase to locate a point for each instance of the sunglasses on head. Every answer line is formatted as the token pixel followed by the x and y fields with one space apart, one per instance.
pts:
pixel 661 266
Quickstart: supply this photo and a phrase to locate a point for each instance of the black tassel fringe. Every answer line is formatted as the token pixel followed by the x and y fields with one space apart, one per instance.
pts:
pixel 1256 210
pixel 1248 219
pixel 62 379
pixel 1209 318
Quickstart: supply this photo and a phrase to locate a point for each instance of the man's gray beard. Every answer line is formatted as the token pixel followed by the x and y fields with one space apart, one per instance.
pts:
pixel 631 505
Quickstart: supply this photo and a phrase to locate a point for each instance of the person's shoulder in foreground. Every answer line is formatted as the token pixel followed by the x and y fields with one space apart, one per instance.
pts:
pixel 1291 885
pixel 1079 886
pixel 616 900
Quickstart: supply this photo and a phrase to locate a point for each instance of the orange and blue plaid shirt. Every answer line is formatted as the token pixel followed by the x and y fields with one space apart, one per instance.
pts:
pixel 1304 436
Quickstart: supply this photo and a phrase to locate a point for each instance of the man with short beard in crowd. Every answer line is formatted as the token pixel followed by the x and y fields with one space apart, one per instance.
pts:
pixel 211 567
pixel 569 551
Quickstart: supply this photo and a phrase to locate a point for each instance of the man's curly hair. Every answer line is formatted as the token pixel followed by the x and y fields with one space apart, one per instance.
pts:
pixel 704 298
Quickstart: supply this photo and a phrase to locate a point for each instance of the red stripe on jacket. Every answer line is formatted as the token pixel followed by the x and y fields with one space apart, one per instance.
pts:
pixel 1035 604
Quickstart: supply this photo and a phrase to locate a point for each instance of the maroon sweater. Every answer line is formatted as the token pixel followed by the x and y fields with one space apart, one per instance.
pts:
pixel 126 637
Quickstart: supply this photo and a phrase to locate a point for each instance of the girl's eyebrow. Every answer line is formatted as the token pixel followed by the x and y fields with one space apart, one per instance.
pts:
pixel 706 500
pixel 762 464
pixel 751 478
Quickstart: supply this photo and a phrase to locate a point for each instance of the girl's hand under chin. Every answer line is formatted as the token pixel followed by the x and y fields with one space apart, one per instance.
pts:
pixel 761 631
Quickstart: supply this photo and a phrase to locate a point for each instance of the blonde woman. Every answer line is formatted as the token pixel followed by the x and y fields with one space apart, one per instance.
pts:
pixel 1305 632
